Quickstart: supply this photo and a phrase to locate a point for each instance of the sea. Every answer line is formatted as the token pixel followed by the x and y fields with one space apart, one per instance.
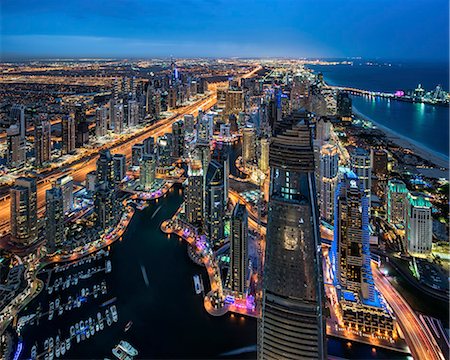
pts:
pixel 427 125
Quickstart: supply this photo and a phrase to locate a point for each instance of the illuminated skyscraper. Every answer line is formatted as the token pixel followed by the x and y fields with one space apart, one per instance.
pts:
pixel 16 155
pixel 189 123
pixel 239 248
pixel 397 202
pixel 17 116
pixel 264 158
pixel 328 177
pixel 81 126
pixel 133 113
pixel 105 169
pixel 419 225
pixel 120 167
pixel 42 142
pixel 234 101
pixel 147 171
pixel 23 218
pixel 54 215
pixel 149 146
pixel 101 121
pixel 137 152
pixel 215 207
pixel 65 183
pixel 194 193
pixel 248 145
pixel 178 139
pixel 292 324
pixel 351 237
pixel 68 134
pixel 362 166
pixel 118 118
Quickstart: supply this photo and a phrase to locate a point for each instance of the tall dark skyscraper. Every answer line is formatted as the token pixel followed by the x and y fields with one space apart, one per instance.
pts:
pixel 68 134
pixel 24 211
pixel 54 214
pixel 215 207
pixel 81 126
pixel 42 142
pixel 292 324
pixel 239 248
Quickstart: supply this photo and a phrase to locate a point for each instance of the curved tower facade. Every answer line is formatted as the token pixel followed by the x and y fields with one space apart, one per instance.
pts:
pixel 292 324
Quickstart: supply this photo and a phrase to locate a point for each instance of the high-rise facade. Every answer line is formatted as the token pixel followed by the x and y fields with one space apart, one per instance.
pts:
pixel 397 202
pixel 54 215
pixel 137 152
pixel 239 249
pixel 17 116
pixel 81 126
pixel 214 201
pixel 105 203
pixel 361 165
pixel 133 113
pixel 293 323
pixel 16 155
pixel 118 117
pixel 101 121
pixel 68 134
pixel 328 177
pixel 419 225
pixel 264 158
pixel 351 237
pixel 23 218
pixel 194 193
pixel 178 139
pixel 120 167
pixel 42 142
pixel 147 171
pixel 65 183
pixel 248 145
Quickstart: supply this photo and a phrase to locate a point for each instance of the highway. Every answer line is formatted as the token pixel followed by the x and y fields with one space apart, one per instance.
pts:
pixel 418 340
pixel 80 168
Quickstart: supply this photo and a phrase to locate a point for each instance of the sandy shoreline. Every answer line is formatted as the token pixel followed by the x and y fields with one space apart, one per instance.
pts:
pixel 419 149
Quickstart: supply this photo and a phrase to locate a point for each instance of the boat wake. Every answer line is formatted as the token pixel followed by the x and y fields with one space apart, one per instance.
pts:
pixel 246 349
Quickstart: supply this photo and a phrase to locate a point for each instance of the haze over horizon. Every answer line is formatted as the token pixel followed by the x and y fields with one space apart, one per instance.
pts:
pixel 139 29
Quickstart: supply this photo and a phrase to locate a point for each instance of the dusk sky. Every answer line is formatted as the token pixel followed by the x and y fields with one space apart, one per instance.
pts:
pixel 415 29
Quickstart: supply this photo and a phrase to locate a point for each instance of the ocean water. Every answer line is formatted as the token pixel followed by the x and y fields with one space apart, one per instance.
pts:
pixel 424 124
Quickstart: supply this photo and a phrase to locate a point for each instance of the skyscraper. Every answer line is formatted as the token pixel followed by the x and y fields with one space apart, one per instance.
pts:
pixel 133 113
pixel 137 152
pixel 23 218
pixel 214 202
pixel 239 248
pixel 68 134
pixel 292 284
pixel 17 116
pixel 248 145
pixel 120 167
pixel 147 171
pixel 189 123
pixel 397 202
pixel 105 169
pixel 328 177
pixel 194 193
pixel 65 183
pixel 118 118
pixel 16 155
pixel 361 165
pixel 264 158
pixel 81 126
pixel 149 146
pixel 344 106
pixel 178 139
pixel 101 121
pixel 54 215
pixel 42 142
pixel 351 237
pixel 419 225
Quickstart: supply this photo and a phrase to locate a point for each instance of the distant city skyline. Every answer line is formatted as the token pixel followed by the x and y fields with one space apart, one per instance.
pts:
pixel 139 29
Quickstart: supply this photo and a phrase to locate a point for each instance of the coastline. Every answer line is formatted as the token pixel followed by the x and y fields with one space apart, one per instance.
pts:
pixel 439 159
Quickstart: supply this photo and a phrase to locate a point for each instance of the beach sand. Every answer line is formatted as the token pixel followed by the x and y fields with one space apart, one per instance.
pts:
pixel 440 160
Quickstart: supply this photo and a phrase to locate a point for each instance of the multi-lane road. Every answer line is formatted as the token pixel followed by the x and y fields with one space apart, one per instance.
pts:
pixel 81 167
pixel 421 344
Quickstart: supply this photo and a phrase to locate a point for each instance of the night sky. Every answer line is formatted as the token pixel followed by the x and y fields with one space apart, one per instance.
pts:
pixel 394 29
